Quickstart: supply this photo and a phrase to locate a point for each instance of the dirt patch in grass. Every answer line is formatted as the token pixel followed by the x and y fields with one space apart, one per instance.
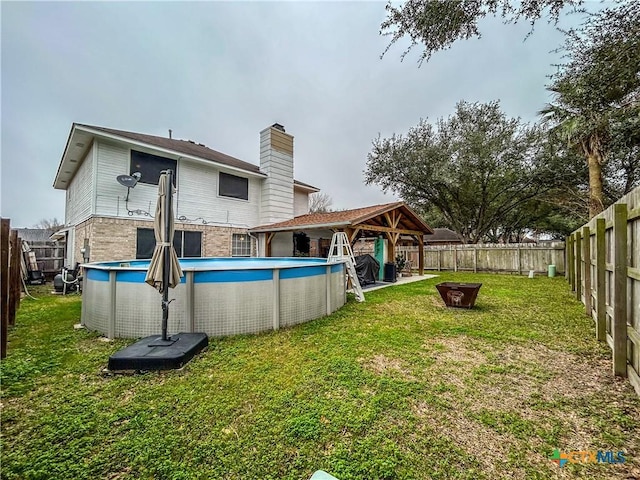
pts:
pixel 383 365
pixel 455 349
pixel 487 446
pixel 526 397
pixel 519 370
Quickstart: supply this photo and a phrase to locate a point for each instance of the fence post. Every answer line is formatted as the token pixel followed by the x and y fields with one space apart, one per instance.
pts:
pixel 475 259
pixel 455 258
pixel 14 275
pixel 19 260
pixel 586 251
pixel 567 275
pixel 571 264
pixel 4 284
pixel 438 253
pixel 578 266
pixel 601 296
pixel 619 319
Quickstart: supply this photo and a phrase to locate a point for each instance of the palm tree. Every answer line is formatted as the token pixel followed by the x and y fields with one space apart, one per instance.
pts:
pixel 596 92
pixel 584 127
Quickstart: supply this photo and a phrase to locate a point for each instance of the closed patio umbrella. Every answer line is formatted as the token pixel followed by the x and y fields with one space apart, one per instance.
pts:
pixel 164 269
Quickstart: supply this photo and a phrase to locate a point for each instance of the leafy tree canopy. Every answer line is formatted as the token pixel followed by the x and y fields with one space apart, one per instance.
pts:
pixel 475 169
pixel 437 24
pixel 596 100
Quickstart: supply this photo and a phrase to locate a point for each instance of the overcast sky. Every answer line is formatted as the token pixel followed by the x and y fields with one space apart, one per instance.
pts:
pixel 218 73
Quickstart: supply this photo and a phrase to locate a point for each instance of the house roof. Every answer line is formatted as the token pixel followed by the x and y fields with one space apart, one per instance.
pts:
pixel 372 216
pixel 443 235
pixel 82 135
pixel 34 234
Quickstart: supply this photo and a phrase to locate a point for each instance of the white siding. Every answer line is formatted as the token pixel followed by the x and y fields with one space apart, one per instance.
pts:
pixel 114 160
pixel 79 194
pixel 198 197
pixel 300 203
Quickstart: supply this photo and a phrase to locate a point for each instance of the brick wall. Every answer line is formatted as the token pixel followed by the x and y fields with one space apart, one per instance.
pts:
pixel 115 238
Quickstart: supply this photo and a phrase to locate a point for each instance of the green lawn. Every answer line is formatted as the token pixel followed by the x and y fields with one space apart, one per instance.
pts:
pixel 398 387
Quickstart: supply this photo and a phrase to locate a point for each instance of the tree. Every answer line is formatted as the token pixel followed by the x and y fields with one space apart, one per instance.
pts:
pixel 51 224
pixel 475 168
pixel 319 203
pixel 596 105
pixel 437 24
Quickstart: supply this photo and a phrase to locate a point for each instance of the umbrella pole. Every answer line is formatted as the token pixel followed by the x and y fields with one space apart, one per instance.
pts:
pixel 167 255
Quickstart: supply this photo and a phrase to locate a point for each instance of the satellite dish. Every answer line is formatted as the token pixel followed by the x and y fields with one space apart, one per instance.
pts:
pixel 129 181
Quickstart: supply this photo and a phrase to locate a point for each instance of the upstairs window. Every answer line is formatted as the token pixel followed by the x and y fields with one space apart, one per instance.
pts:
pixel 233 186
pixel 150 166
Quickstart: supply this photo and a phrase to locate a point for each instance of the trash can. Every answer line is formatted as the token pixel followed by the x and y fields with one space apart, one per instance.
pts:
pixel 552 271
pixel 459 295
pixel 390 273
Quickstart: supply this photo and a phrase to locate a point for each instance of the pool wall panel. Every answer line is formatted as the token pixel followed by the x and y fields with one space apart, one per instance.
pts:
pixel 222 309
pixel 139 310
pixel 96 305
pixel 219 302
pixel 302 299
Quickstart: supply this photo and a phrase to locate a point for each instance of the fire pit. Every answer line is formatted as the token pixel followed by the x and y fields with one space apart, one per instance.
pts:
pixel 459 295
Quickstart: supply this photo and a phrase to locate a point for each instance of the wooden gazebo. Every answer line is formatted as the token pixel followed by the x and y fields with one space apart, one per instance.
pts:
pixel 391 220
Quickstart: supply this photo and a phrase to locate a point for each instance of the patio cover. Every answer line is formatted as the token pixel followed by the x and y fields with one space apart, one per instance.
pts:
pixel 390 219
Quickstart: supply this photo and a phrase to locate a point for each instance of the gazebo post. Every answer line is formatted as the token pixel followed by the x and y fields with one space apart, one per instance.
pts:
pixel 269 237
pixel 420 254
pixel 392 247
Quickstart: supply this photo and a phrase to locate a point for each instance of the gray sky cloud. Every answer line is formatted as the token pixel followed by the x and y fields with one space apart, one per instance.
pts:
pixel 218 73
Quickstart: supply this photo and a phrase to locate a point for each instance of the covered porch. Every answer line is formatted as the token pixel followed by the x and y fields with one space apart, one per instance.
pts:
pixel 387 222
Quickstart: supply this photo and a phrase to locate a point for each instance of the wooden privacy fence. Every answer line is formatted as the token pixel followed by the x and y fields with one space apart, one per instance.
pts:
pixel 604 272
pixel 509 257
pixel 49 256
pixel 10 280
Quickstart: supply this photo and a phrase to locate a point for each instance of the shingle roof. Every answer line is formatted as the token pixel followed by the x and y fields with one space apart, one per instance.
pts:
pixel 340 218
pixel 188 147
pixel 34 234
pixel 182 146
pixel 443 235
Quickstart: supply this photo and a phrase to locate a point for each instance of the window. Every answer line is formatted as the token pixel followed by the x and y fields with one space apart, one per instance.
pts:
pixel 240 245
pixel 145 242
pixel 232 186
pixel 150 166
pixel 186 243
pixel 191 244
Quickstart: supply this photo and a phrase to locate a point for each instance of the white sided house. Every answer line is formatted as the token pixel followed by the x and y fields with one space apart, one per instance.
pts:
pixel 219 198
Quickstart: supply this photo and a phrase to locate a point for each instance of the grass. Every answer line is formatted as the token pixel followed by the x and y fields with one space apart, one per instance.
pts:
pixel 398 387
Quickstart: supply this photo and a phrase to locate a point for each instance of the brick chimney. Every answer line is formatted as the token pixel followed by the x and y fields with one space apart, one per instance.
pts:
pixel 276 161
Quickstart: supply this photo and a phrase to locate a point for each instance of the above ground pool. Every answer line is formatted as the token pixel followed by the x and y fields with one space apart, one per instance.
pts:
pixel 217 296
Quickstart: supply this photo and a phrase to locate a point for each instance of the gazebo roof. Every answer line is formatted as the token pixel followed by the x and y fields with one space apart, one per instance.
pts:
pixel 394 217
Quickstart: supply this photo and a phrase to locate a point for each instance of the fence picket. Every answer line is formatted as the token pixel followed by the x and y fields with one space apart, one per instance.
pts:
pixel 619 320
pixel 586 254
pixel 601 265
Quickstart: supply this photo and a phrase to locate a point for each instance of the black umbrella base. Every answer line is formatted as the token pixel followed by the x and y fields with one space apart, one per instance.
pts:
pixel 151 353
